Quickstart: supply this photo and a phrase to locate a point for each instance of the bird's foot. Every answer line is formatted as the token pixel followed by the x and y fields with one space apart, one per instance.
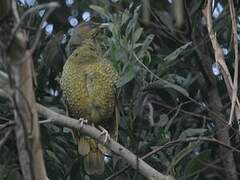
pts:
pixel 82 122
pixel 105 134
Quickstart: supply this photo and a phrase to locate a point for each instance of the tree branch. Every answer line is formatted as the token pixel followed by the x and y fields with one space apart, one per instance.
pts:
pixel 219 57
pixel 235 81
pixel 118 149
pixel 172 143
pixel 91 131
pixel 214 96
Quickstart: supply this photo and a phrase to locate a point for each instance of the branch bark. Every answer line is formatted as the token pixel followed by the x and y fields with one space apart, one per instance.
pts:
pixel 219 57
pixel 137 163
pixel 18 63
pixel 235 81
pixel 213 97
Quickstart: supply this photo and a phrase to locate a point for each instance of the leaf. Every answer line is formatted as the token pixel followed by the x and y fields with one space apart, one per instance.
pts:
pixel 137 34
pixel 180 155
pixel 167 20
pixel 192 132
pixel 125 17
pixel 128 75
pixel 133 22
pixel 161 83
pixel 101 11
pixel 160 157
pixel 163 119
pixel 115 30
pixel 53 157
pixel 171 57
pixel 175 78
pixel 145 46
pixel 177 88
pixel 198 162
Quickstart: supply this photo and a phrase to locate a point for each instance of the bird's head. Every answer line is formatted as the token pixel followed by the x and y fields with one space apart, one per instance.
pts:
pixel 83 33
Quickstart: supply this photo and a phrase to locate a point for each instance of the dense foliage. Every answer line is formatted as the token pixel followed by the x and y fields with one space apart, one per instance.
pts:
pixel 163 92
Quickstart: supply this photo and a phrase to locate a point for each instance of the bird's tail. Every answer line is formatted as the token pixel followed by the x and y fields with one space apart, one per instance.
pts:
pixel 93 153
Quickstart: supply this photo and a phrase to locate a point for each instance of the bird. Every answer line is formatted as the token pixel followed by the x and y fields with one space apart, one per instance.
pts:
pixel 88 83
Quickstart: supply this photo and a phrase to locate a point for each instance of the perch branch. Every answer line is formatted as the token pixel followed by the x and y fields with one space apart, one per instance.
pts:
pixel 143 168
pixel 91 131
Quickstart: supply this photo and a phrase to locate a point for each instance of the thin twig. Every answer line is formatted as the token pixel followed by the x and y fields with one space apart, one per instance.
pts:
pixel 51 7
pixel 29 11
pixel 50 120
pixel 172 143
pixel 6 125
pixel 6 136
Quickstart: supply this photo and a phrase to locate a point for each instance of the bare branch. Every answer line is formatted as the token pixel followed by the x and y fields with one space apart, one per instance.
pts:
pixel 235 83
pixel 219 57
pixel 214 97
pixel 91 131
pixel 6 125
pixel 172 143
pixel 118 149
pixel 50 7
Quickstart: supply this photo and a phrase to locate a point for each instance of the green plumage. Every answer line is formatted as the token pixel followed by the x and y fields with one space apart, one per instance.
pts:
pixel 88 84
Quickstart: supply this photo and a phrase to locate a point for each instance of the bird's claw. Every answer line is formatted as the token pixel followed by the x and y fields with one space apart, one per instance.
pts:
pixel 82 121
pixel 104 133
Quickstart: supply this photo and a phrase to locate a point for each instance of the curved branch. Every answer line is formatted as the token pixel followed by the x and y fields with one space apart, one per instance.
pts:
pixel 137 163
pixel 219 57
pixel 235 81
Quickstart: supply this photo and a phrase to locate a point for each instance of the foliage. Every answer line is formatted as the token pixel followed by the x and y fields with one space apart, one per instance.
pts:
pixel 162 91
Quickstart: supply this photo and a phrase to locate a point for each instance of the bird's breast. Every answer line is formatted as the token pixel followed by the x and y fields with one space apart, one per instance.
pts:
pixel 89 90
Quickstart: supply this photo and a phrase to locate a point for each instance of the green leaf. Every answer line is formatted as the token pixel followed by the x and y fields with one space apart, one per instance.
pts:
pixel 125 17
pixel 182 154
pixel 192 132
pixel 160 157
pixel 101 11
pixel 198 162
pixel 128 75
pixel 161 83
pixel 175 78
pixel 53 157
pixel 167 20
pixel 137 34
pixel 145 46
pixel 132 24
pixel 173 56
